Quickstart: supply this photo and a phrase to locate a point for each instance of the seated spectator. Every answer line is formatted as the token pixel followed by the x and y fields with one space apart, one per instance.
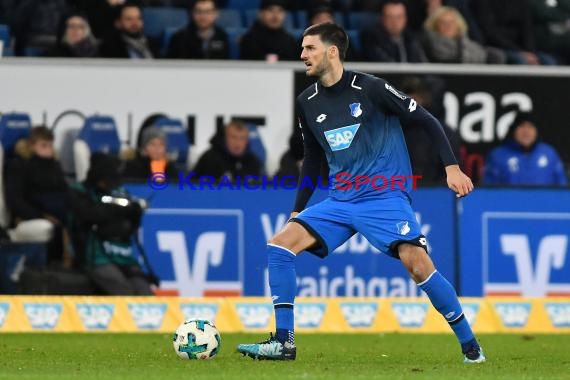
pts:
pixel 36 189
pixel 522 159
pixel 229 155
pixel 151 158
pixel 201 38
pixel 424 158
pixel 75 39
pixel 292 160
pixel 446 41
pixel 267 39
pixel 552 27
pixel 390 40
pixel 324 13
pixel 128 40
pixel 35 23
pixel 507 25
pixel 105 221
pixel 101 15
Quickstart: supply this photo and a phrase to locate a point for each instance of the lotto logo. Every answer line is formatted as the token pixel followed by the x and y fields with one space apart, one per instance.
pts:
pixel 255 316
pixel 147 316
pixel 359 314
pixel 4 308
pixel 559 314
pixel 513 314
pixel 410 314
pixel 309 315
pixel 95 316
pixel 341 138
pixel 470 311
pixel 43 315
pixel 200 311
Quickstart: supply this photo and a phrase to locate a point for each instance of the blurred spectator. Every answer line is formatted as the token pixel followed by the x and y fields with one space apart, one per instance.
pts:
pixel 446 41
pixel 267 39
pixel 75 39
pixel 522 159
pixel 229 155
pixel 307 5
pixel 101 14
pixel 35 23
pixel 507 24
pixel 390 40
pixel 151 158
pixel 552 26
pixel 105 221
pixel 324 13
pixel 36 189
pixel 424 158
pixel 419 10
pixel 128 40
pixel 201 38
pixel 292 159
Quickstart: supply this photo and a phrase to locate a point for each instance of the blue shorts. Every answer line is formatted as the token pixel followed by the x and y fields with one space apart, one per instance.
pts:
pixel 384 222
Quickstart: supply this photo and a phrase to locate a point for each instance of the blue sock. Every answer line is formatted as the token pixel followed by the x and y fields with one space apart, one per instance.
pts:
pixel 283 284
pixel 444 299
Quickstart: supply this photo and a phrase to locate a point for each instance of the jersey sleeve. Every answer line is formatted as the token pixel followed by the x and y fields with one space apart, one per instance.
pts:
pixel 408 110
pixel 311 165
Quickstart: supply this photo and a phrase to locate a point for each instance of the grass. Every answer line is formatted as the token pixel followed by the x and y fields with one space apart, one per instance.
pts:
pixel 319 356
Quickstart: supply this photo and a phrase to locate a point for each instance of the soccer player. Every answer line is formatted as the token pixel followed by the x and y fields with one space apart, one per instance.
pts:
pixel 354 119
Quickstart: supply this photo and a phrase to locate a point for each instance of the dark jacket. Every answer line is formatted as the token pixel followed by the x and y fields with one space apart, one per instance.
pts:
pixel 114 46
pixel 35 187
pixel 506 24
pixel 186 44
pixel 218 162
pixel 139 169
pixel 377 46
pixel 260 41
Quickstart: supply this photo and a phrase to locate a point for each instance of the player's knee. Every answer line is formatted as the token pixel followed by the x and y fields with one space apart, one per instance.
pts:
pixel 416 261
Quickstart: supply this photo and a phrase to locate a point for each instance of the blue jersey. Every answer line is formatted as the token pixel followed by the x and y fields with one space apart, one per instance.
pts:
pixel 356 123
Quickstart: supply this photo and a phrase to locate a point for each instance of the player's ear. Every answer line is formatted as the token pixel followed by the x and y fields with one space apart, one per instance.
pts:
pixel 333 51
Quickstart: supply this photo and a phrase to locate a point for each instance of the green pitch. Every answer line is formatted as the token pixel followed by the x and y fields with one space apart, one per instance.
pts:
pixel 323 356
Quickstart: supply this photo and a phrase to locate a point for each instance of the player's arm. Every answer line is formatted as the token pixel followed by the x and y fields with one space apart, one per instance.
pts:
pixel 408 110
pixel 310 169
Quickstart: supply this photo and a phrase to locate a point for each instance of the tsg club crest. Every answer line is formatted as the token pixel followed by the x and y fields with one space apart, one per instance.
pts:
pixel 355 109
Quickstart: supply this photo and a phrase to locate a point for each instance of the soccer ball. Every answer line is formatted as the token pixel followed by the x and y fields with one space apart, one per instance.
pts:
pixel 197 339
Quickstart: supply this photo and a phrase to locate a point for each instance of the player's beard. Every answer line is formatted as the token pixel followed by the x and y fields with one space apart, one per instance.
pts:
pixel 322 68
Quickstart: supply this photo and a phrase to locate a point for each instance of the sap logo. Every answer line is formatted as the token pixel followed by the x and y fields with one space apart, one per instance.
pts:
pixel 200 311
pixel 254 316
pixel 480 124
pixel 534 282
pixel 559 314
pixel 513 314
pixel 470 311
pixel 4 308
pixel 359 314
pixel 410 314
pixel 95 316
pixel 43 315
pixel 309 315
pixel 341 138
pixel 147 316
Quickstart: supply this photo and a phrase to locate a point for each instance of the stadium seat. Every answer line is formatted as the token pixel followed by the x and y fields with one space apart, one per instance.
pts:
pixel 230 18
pixel 339 19
pixel 5 35
pixel 166 37
pixel 297 33
pixel 251 16
pixel 176 140
pixel 361 20
pixel 354 38
pixel 13 127
pixel 301 19
pixel 99 134
pixel 234 35
pixel 256 144
pixel 156 20
pixel 243 4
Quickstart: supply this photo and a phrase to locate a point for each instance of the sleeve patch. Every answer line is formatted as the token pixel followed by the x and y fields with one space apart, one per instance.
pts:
pixel 394 91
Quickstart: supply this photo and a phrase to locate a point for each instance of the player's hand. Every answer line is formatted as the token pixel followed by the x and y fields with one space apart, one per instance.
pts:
pixel 458 181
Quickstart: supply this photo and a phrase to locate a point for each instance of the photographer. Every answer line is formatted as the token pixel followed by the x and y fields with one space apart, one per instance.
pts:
pixel 105 221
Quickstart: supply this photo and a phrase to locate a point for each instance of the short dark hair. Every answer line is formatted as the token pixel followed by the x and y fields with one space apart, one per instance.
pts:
pixel 118 10
pixel 393 2
pixel 193 3
pixel 331 34
pixel 40 133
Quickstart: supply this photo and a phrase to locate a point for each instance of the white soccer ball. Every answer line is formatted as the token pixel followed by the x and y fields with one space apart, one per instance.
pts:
pixel 197 339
